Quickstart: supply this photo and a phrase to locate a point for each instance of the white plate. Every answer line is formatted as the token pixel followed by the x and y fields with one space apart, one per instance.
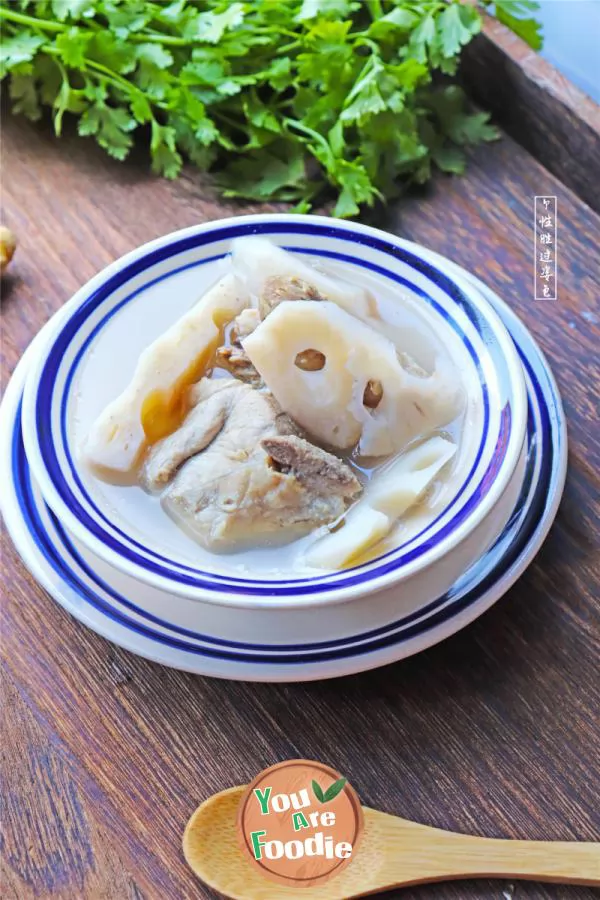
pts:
pixel 184 635
pixel 92 346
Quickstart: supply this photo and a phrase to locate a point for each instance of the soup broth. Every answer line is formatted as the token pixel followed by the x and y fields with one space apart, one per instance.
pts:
pixel 302 471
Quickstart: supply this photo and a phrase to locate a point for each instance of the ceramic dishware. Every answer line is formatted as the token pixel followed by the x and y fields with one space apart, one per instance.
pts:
pixel 284 645
pixel 91 348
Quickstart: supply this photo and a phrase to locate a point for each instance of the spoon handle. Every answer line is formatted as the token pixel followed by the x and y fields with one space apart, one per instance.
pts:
pixel 558 861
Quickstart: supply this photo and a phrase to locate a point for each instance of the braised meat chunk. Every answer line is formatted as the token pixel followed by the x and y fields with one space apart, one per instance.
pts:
pixel 239 472
pixel 312 465
pixel 278 288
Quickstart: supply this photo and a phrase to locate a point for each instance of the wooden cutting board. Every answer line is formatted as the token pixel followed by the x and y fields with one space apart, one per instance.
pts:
pixel 493 732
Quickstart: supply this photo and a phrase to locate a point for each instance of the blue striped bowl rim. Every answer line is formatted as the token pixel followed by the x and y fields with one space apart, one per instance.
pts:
pixel 212 582
pixel 545 451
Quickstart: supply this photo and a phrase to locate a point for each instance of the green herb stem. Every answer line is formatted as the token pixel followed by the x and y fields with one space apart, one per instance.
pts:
pixel 31 21
pixel 375 10
pixel 156 37
pixel 255 69
pixel 287 48
pixel 293 123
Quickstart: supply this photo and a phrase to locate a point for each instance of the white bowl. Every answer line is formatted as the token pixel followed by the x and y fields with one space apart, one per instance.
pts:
pixel 91 351
pixel 276 644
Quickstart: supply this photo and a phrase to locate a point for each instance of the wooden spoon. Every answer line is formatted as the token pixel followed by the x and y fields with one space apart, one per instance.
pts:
pixel 393 853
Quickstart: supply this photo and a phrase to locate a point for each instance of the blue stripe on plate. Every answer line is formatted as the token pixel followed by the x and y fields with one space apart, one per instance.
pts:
pixel 230 579
pixel 516 535
pixel 485 483
pixel 218 582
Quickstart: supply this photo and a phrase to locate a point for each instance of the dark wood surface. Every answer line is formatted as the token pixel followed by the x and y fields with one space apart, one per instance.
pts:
pixel 534 102
pixel 494 732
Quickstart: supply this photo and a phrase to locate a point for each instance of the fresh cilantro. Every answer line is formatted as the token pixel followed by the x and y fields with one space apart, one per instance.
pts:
pixel 397 20
pixel 127 18
pixel 112 53
pixel 266 176
pixel 141 108
pixel 449 159
pixel 73 9
pixel 165 158
pixel 454 121
pixel 423 37
pixel 327 9
pixel 210 26
pixel 20 48
pixel 151 73
pixel 286 101
pixel 457 25
pixel 73 46
pixel 24 96
pixel 110 125
pixel 516 15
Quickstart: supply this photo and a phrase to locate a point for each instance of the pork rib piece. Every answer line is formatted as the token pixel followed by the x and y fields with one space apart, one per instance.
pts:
pixel 278 288
pixel 240 475
pixel 311 465
pixel 212 401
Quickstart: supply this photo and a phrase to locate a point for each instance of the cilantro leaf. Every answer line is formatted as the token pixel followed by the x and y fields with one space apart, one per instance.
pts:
pixel 112 52
pixel 72 9
pixel 127 18
pixel 141 109
pixel 367 102
pixel 18 49
pixel 288 101
pixel 357 187
pixel 110 126
pixel 72 46
pixel 23 93
pixel 264 175
pixel 204 72
pixel 258 113
pixel 165 158
pixel 68 99
pixel 398 19
pixel 210 26
pixel 152 63
pixel 423 37
pixel 206 132
pixel 173 13
pixel 48 78
pixel 514 14
pixel 328 54
pixel 449 159
pixel 457 25
pixel 462 127
pixel 346 205
pixel 279 74
pixel 155 55
pixel 331 9
pixel 472 128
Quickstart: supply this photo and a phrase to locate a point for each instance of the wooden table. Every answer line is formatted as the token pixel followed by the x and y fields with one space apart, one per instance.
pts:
pixel 494 731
